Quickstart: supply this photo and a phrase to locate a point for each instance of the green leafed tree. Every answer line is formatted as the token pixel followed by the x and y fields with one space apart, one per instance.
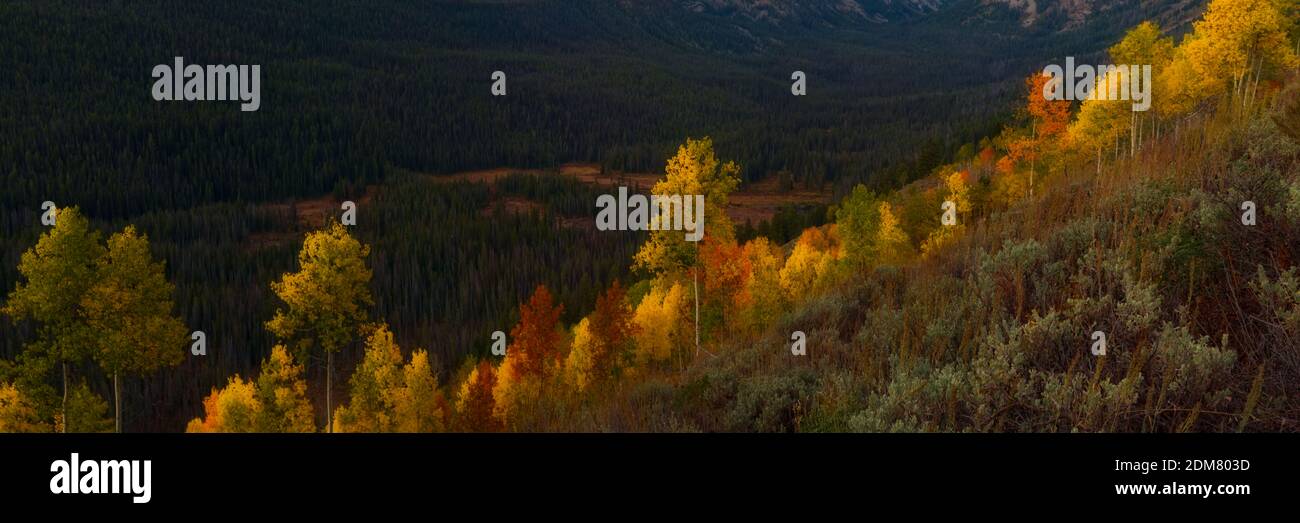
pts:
pixel 86 412
pixel 233 408
pixel 694 170
pixel 326 301
pixel 128 311
pixel 388 396
pixel 55 275
pixel 282 393
pixel 858 217
pixel 276 402
pixel 380 371
pixel 17 414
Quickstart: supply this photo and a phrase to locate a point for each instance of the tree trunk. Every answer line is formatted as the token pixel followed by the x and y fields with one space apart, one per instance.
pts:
pixel 1033 161
pixel 65 397
pixel 697 309
pixel 1132 134
pixel 117 406
pixel 1259 71
pixel 329 375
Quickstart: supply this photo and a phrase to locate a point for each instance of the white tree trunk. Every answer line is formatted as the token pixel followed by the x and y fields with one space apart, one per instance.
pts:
pixel 697 309
pixel 1132 134
pixel 65 397
pixel 117 406
pixel 329 375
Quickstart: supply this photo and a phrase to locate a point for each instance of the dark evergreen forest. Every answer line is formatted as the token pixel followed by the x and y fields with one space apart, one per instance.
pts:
pixel 367 101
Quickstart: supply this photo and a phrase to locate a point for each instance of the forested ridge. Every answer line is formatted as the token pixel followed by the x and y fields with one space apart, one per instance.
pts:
pixel 353 89
pixel 445 265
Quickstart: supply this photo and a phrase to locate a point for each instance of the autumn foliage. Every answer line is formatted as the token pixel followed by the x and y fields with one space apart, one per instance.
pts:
pixel 958 302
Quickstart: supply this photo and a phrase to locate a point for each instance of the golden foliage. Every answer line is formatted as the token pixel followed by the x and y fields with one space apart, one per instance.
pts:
pixel 129 308
pixel 765 296
pixel 1237 38
pixel 661 320
pixel 328 296
pixel 17 414
pixel 417 405
pixel 892 244
pixel 694 170
pixel 809 263
pixel 388 396
pixel 233 408
pixel 282 392
pixel 580 365
pixel 276 402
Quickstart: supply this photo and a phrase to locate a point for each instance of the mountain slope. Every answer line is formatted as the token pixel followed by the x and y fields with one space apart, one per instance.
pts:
pixel 995 332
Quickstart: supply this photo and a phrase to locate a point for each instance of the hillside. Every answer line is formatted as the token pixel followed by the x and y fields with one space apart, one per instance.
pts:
pixel 946 243
pixel 992 332
pixel 358 99
pixel 1134 274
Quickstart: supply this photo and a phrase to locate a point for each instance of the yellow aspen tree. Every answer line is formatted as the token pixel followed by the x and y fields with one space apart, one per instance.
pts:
pixel 17 414
pixel 810 262
pixel 892 244
pixel 580 364
pixel 766 297
pixel 55 275
pixel 958 192
pixel 659 318
pixel 379 372
pixel 129 313
pixel 282 391
pixel 326 300
pixel 417 404
pixel 694 170
pixel 1236 42
pixel 233 408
